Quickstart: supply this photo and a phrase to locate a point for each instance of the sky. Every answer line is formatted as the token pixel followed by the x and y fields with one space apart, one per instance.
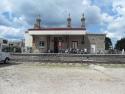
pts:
pixel 102 16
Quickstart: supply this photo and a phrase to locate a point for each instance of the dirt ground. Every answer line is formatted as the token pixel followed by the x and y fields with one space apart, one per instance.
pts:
pixel 61 79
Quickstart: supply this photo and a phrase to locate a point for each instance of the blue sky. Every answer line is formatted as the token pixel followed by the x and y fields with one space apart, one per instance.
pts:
pixel 102 16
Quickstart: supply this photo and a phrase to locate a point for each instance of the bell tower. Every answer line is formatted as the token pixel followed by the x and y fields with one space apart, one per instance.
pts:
pixel 37 24
pixel 69 21
pixel 83 21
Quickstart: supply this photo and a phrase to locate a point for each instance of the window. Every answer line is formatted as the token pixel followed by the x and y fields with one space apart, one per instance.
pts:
pixel 74 44
pixel 42 44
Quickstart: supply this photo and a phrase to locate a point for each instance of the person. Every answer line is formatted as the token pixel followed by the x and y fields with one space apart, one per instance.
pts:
pixel 123 51
pixel 85 51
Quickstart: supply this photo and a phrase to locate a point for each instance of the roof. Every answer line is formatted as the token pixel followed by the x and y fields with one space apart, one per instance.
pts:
pixel 57 32
pixel 57 29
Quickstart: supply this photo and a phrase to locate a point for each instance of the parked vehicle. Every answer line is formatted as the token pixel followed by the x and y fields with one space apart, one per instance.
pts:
pixel 4 57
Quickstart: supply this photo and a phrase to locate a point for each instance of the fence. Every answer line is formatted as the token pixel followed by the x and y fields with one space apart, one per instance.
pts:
pixel 72 58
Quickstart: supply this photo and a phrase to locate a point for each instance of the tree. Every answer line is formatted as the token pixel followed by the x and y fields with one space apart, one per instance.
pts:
pixel 120 44
pixel 7 49
pixel 12 49
pixel 108 43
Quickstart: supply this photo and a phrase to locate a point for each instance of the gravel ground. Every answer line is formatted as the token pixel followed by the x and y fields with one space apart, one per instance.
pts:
pixel 68 79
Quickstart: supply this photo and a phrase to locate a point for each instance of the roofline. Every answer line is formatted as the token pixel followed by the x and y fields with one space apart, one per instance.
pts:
pixel 56 33
pixel 57 29
pixel 96 34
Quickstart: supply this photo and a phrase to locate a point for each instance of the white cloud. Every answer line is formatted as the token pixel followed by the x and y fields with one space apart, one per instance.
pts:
pixel 93 15
pixel 116 24
pixel 106 18
pixel 6 5
pixel 11 33
pixel 20 21
pixel 86 2
pixel 119 7
pixel 117 28
pixel 55 12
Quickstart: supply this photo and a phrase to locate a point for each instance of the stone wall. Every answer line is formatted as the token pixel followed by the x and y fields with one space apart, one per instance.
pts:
pixel 98 40
pixel 72 58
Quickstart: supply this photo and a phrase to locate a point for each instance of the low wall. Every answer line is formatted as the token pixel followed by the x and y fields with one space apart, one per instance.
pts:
pixel 72 58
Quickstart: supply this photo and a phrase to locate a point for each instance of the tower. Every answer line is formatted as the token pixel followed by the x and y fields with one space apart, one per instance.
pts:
pixel 83 21
pixel 69 21
pixel 37 24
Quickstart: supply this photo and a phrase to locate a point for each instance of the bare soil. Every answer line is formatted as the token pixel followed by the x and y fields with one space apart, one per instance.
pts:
pixel 61 79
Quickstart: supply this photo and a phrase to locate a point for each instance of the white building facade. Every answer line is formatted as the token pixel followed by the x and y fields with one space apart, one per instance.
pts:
pixel 3 43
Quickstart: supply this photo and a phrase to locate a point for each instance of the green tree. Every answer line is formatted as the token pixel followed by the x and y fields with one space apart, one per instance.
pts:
pixel 12 49
pixel 7 49
pixel 108 43
pixel 120 44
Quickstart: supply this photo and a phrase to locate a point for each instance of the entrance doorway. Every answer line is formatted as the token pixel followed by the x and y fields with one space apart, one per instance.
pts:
pixel 74 44
pixel 56 45
pixel 93 48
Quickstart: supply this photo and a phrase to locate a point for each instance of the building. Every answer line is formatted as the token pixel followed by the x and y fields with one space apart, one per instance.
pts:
pixel 6 45
pixel 18 45
pixel 42 40
pixel 3 43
